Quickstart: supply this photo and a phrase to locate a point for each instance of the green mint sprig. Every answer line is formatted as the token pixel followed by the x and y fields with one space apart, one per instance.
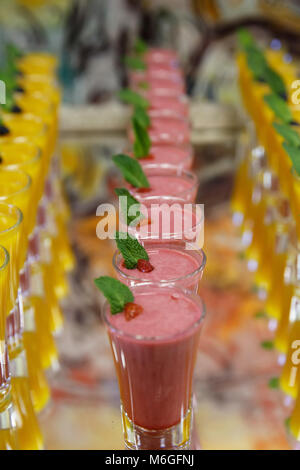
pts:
pixel 126 204
pixel 141 116
pixel 140 47
pixel 279 107
pixel 288 133
pixel 274 383
pixel 131 97
pixel 131 171
pixel 274 81
pixel 294 154
pixel 245 39
pixel 135 63
pixel 131 249
pixel 117 294
pixel 142 142
pixel 269 345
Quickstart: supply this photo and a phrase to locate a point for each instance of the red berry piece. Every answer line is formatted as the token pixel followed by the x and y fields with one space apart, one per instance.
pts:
pixel 132 310
pixel 143 190
pixel 149 157
pixel 144 266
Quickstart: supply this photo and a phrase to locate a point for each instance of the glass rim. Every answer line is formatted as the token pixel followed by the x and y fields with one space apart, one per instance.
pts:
pixel 19 166
pixel 6 258
pixel 195 272
pixel 195 297
pixel 19 214
pixel 178 170
pixel 19 191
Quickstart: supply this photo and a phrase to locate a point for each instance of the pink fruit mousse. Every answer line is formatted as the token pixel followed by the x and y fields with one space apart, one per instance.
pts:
pixel 182 157
pixel 167 182
pixel 170 264
pixel 167 130
pixel 155 354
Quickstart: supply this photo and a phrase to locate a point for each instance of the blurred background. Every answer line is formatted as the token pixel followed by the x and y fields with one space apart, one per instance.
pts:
pixel 237 408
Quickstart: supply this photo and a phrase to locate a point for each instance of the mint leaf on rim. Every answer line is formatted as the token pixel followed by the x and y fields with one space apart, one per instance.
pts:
pixel 117 294
pixel 279 107
pixel 141 116
pixel 274 81
pixel 126 205
pixel 131 250
pixel 134 63
pixel 131 97
pixel 288 133
pixel 142 142
pixel 140 47
pixel 131 170
pixel 245 39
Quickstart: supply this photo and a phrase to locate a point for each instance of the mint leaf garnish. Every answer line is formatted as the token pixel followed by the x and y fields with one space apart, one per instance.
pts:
pixel 130 249
pixel 267 345
pixel 134 63
pixel 245 39
pixel 279 107
pixel 256 63
pixel 125 206
pixel 142 142
pixel 131 171
pixel 294 154
pixel 117 294
pixel 274 382
pixel 288 133
pixel 141 116
pixel 133 98
pixel 140 47
pixel 274 80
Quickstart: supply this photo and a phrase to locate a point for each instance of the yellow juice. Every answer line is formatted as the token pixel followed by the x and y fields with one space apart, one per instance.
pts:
pixel 38 63
pixel 295 419
pixel 21 154
pixel 289 379
pixel 28 432
pixel 10 233
pixel 15 188
pixel 33 128
pixel 39 388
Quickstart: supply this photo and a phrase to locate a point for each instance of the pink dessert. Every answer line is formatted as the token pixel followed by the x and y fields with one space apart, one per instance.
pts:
pixel 182 157
pixel 168 219
pixel 155 72
pixel 167 131
pixel 167 181
pixel 155 354
pixel 162 57
pixel 176 106
pixel 171 264
pixel 163 88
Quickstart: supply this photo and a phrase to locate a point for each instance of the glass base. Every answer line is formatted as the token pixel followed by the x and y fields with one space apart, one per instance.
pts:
pixel 176 437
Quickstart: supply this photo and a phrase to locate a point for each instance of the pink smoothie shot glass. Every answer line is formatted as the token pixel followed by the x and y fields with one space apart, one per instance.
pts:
pixel 154 356
pixel 172 263
pixel 161 88
pixel 154 73
pixel 168 220
pixel 181 157
pixel 167 180
pixel 162 57
pixel 168 106
pixel 166 131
